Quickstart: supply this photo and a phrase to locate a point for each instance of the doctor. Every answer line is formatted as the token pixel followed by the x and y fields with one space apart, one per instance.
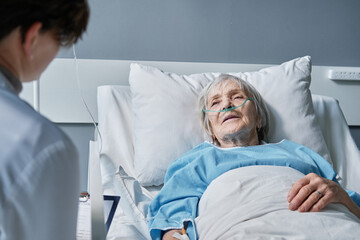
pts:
pixel 39 167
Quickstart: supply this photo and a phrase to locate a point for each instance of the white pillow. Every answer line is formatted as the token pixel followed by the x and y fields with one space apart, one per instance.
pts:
pixel 115 124
pixel 166 121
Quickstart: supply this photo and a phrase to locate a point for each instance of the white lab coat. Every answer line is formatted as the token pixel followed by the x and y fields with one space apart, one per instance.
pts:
pixel 39 172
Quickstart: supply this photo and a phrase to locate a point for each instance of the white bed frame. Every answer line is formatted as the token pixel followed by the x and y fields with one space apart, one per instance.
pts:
pixel 58 96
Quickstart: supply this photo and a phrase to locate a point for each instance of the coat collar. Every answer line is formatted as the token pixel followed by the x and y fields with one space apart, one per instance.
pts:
pixel 9 81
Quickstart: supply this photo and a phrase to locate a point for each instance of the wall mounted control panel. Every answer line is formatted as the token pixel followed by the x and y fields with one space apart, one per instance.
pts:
pixel 344 75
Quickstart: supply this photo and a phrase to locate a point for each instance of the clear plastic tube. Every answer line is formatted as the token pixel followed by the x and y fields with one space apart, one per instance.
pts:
pixel 229 109
pixel 83 100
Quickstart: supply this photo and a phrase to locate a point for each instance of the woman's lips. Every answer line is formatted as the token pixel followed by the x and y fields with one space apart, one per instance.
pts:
pixel 229 117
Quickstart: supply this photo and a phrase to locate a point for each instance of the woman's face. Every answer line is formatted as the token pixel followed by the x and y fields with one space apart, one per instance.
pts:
pixel 240 123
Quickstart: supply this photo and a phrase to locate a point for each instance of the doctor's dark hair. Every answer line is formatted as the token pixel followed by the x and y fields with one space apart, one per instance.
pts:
pixel 250 91
pixel 67 18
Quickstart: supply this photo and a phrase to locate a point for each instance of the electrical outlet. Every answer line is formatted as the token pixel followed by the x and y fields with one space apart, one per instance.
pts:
pixel 344 75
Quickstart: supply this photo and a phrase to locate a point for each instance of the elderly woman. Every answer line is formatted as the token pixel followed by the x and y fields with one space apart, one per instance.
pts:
pixel 236 118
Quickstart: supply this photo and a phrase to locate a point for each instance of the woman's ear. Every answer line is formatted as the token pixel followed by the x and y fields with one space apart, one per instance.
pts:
pixel 30 37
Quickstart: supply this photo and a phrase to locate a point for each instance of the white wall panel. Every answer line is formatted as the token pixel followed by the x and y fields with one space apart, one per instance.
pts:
pixel 60 97
pixel 27 93
pixel 61 93
pixel 346 92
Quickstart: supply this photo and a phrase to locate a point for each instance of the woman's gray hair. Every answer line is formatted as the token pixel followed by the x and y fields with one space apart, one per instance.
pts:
pixel 249 90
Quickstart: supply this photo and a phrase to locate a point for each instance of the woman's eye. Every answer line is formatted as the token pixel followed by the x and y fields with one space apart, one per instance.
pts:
pixel 214 103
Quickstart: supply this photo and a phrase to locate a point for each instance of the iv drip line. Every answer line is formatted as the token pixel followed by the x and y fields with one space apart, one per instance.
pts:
pixel 82 98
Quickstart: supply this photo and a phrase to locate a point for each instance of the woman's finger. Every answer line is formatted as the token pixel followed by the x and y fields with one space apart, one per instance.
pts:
pixel 296 187
pixel 301 196
pixel 310 202
pixel 323 202
pixel 302 189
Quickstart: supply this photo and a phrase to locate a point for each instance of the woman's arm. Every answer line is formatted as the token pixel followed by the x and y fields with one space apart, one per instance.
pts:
pixel 176 203
pixel 312 193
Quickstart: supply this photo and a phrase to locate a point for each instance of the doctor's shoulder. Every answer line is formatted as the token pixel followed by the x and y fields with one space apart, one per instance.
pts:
pixel 35 132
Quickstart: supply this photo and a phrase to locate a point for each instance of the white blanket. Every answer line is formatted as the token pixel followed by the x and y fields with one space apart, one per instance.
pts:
pixel 250 203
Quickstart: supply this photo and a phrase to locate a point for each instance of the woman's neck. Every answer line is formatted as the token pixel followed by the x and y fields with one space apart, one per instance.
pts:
pixel 241 138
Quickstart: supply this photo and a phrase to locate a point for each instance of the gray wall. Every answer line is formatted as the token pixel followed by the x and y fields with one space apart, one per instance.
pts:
pixel 238 31
pixel 241 31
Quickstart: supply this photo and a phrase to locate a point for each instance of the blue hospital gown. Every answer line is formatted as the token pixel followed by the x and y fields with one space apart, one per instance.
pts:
pixel 189 176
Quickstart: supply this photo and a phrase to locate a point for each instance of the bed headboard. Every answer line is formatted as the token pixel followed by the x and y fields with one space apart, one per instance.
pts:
pixel 58 96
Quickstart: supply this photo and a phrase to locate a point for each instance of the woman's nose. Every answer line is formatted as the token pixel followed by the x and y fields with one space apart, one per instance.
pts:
pixel 226 104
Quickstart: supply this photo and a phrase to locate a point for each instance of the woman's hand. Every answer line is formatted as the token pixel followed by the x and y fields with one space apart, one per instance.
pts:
pixel 169 234
pixel 312 193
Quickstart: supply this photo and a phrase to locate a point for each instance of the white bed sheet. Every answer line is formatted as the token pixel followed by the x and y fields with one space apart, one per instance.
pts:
pixel 255 206
pixel 115 123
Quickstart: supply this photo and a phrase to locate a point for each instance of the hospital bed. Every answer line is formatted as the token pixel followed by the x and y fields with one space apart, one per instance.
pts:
pixel 130 116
